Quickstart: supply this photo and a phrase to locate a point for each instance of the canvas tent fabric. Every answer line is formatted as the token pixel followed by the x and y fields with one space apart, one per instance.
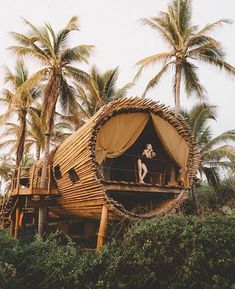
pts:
pixel 121 132
pixel 118 134
pixel 174 144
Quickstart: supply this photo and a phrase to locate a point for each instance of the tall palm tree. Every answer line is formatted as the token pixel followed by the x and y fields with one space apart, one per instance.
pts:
pixel 216 152
pixel 51 50
pixel 18 99
pixel 34 134
pixel 106 86
pixel 187 45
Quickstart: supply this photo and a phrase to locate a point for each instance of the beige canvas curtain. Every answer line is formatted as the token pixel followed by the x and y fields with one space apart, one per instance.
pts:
pixel 174 144
pixel 118 134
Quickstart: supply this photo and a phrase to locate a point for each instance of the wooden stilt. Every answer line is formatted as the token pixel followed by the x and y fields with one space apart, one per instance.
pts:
pixel 173 177
pixel 41 222
pixel 12 227
pixel 102 228
pixel 17 221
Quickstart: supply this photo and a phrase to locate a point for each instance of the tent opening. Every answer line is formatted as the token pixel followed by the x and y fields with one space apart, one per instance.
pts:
pixel 124 167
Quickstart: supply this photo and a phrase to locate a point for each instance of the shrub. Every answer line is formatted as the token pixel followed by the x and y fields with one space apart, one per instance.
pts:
pixel 170 252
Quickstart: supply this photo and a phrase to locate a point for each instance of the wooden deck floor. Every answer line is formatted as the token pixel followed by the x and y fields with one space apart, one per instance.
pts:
pixel 121 186
pixel 36 191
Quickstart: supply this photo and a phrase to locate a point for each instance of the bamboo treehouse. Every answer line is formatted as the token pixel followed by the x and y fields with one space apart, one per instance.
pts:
pixel 94 174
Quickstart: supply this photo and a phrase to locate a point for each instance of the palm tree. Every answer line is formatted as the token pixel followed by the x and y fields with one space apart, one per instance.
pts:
pixel 34 134
pixel 187 46
pixel 18 100
pixel 50 49
pixel 216 153
pixel 106 86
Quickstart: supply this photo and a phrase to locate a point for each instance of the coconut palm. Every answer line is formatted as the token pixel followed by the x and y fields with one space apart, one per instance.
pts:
pixel 106 86
pixel 18 99
pixel 216 152
pixel 51 50
pixel 34 134
pixel 187 45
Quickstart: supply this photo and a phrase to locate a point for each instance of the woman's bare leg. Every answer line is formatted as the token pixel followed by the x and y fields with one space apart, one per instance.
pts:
pixel 139 163
pixel 145 171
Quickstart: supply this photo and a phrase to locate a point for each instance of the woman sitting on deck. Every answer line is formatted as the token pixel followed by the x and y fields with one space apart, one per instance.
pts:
pixel 143 162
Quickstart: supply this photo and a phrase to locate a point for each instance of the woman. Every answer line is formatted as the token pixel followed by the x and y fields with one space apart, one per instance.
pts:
pixel 143 162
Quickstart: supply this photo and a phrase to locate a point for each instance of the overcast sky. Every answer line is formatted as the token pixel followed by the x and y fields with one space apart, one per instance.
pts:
pixel 113 27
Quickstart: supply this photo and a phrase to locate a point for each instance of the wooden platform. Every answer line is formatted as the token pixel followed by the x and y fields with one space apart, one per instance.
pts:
pixel 36 191
pixel 121 186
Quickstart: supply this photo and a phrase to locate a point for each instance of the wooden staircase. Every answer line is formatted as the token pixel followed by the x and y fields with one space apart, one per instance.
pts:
pixel 8 207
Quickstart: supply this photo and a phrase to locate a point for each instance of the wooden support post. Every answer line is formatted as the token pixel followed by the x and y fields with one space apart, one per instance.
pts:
pixel 17 222
pixel 49 180
pixel 102 228
pixel 32 179
pixel 12 227
pixel 18 180
pixel 173 177
pixel 42 213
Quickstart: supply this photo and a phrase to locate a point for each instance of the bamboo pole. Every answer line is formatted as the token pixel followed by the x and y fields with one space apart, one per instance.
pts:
pixel 49 180
pixel 102 228
pixel 32 179
pixel 18 180
pixel 41 222
pixel 12 227
pixel 17 223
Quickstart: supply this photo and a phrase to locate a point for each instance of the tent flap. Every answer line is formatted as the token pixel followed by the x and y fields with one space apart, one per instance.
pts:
pixel 118 134
pixel 174 144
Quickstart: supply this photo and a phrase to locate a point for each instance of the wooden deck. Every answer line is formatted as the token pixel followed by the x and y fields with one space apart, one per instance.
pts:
pixel 36 191
pixel 121 186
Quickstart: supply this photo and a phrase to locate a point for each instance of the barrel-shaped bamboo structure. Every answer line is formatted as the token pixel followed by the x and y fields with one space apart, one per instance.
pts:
pixel 87 196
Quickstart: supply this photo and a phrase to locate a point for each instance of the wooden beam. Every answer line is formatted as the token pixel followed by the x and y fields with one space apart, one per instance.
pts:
pixel 42 213
pixel 34 191
pixel 17 223
pixel 32 179
pixel 12 227
pixel 102 228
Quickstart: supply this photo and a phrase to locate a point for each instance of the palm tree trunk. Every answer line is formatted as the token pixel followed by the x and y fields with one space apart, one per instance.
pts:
pixel 195 200
pixel 21 140
pixel 50 100
pixel 178 72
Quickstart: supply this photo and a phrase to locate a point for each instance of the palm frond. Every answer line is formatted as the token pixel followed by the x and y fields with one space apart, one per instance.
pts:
pixel 77 54
pixel 110 79
pixel 27 51
pixel 121 92
pixel 221 139
pixel 72 24
pixel 152 22
pixel 212 26
pixel 212 176
pixel 83 78
pixel 192 83
pixel 67 97
pixel 154 81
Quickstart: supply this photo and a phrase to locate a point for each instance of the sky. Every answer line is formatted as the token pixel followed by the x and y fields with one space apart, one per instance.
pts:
pixel 120 39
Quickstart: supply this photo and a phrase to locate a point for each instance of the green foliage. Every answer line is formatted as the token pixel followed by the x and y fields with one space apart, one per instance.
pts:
pixel 210 199
pixel 165 252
